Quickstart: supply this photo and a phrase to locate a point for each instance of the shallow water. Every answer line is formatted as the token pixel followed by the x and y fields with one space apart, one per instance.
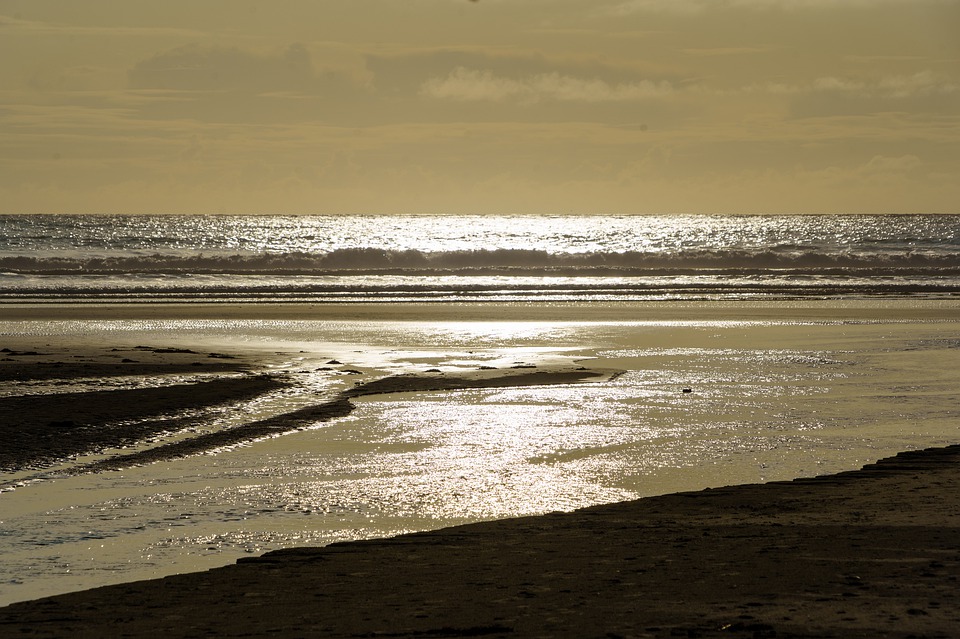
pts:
pixel 767 400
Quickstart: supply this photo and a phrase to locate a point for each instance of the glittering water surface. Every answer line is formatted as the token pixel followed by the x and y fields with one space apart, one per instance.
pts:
pixel 490 258
pixel 767 400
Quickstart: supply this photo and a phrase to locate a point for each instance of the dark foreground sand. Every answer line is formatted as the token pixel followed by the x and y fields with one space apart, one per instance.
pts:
pixel 872 553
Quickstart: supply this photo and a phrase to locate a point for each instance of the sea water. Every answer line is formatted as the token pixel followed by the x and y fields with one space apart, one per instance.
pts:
pixel 476 258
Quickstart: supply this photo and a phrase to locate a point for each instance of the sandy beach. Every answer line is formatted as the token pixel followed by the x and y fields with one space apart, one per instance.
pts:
pixel 866 553
pixel 870 553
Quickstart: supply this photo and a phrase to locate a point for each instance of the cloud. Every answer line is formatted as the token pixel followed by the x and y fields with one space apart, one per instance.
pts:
pixel 813 4
pixel 464 84
pixel 237 85
pixel 885 166
pixel 405 72
pixel 922 92
pixel 197 67
pixel 694 7
pixel 10 26
pixel 726 51
pixel 453 105
pixel 908 92
pixel 922 83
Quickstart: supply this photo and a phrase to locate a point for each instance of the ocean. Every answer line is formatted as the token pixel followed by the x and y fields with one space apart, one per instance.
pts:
pixel 476 258
pixel 752 349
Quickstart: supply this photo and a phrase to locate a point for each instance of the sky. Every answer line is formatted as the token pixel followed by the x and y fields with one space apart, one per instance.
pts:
pixel 486 106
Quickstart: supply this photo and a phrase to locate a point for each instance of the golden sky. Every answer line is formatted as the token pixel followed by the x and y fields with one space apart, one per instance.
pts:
pixel 500 106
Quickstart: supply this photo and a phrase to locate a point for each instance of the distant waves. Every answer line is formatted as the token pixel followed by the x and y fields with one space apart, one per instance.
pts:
pixel 475 258
pixel 487 261
pixel 477 288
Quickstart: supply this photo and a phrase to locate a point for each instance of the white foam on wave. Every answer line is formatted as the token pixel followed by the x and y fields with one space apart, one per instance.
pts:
pixel 456 258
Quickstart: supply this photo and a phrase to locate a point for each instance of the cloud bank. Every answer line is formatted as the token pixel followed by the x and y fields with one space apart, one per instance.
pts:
pixel 626 106
pixel 475 85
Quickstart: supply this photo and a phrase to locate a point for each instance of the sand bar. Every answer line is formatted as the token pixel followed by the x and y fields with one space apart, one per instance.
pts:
pixel 870 553
pixel 40 429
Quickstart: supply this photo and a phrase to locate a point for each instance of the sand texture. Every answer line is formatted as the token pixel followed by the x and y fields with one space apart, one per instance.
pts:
pixel 40 429
pixel 26 363
pixel 870 553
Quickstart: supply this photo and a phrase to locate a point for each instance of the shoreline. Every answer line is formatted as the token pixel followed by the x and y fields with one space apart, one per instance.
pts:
pixel 866 553
pixel 804 309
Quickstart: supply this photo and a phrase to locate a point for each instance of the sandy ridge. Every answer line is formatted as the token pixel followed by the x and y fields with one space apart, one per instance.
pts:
pixel 340 406
pixel 41 429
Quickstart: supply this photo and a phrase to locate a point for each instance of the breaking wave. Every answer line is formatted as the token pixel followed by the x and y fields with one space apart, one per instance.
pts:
pixel 498 261
pixel 403 258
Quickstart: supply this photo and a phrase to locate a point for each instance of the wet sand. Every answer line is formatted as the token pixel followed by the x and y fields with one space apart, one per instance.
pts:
pixel 870 553
pixel 41 429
